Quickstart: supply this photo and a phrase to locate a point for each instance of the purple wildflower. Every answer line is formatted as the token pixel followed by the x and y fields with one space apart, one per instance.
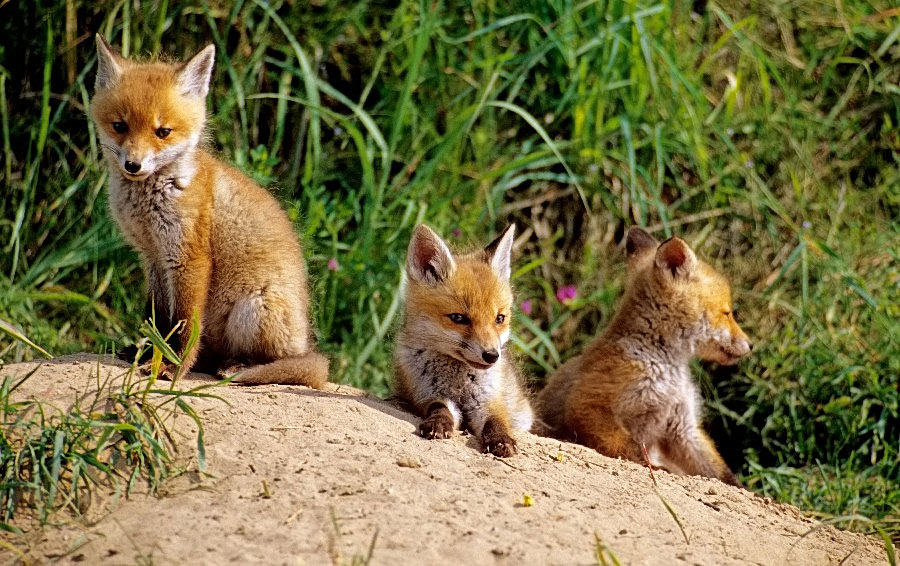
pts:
pixel 526 306
pixel 456 232
pixel 567 294
pixel 333 264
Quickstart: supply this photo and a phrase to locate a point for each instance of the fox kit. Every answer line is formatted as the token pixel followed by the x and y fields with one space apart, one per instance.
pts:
pixel 212 243
pixel 632 386
pixel 450 358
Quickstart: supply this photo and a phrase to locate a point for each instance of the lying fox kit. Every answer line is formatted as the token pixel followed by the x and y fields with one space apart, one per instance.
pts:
pixel 450 358
pixel 213 244
pixel 632 386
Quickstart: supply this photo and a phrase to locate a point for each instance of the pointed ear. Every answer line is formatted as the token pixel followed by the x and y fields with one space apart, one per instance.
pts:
pixel 193 77
pixel 499 252
pixel 638 241
pixel 675 258
pixel 109 65
pixel 428 260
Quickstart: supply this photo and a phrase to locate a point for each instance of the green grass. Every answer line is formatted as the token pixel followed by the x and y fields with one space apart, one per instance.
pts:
pixel 765 133
pixel 116 434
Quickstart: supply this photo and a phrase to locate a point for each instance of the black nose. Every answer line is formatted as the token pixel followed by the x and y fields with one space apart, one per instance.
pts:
pixel 490 356
pixel 132 167
pixel 751 345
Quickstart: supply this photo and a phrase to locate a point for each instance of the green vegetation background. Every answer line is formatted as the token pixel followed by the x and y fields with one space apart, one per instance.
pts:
pixel 763 132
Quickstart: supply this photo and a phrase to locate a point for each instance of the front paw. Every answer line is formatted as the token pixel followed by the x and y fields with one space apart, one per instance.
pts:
pixel 167 371
pixel 501 445
pixel 230 368
pixel 437 425
pixel 729 478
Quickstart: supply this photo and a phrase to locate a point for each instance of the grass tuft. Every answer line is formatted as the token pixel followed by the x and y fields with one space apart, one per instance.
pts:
pixel 116 435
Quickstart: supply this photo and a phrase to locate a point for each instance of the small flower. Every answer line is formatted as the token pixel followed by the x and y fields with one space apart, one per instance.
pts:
pixel 526 306
pixel 807 224
pixel 748 164
pixel 730 132
pixel 456 232
pixel 338 130
pixel 567 294
pixel 333 264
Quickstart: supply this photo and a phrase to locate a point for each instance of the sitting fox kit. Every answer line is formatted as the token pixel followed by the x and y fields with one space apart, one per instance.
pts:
pixel 450 358
pixel 632 386
pixel 213 244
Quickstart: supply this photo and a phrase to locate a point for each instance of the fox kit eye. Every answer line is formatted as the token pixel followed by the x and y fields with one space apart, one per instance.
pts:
pixel 501 318
pixel 459 318
pixel 163 133
pixel 120 127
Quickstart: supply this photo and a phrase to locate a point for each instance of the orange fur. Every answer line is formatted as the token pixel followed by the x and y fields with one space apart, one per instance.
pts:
pixel 212 242
pixel 632 385
pixel 450 357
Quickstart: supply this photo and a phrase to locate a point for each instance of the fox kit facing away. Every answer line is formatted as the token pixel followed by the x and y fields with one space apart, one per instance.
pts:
pixel 632 386
pixel 450 359
pixel 213 244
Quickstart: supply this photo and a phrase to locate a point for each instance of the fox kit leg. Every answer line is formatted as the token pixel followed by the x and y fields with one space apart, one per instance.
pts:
pixel 190 285
pixel 521 415
pixel 156 309
pixel 439 419
pixel 495 431
pixel 174 296
pixel 695 454
pixel 723 472
pixel 159 307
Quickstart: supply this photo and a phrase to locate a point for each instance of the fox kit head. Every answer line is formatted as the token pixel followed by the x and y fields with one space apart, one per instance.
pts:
pixel 149 114
pixel 460 305
pixel 683 295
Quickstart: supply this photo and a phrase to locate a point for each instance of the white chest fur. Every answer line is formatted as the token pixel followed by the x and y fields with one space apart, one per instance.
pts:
pixel 146 211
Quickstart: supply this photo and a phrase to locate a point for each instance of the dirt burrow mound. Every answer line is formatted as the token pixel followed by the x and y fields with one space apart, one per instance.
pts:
pixel 299 476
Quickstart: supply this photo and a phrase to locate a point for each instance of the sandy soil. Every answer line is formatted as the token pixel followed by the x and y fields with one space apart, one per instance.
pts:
pixel 345 471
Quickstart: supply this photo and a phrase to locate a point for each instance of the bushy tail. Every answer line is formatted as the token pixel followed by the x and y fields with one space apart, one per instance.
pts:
pixel 310 370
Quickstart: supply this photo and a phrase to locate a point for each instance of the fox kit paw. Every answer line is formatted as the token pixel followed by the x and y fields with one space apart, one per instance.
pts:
pixel 166 370
pixel 731 479
pixel 502 446
pixel 437 425
pixel 229 369
pixel 496 439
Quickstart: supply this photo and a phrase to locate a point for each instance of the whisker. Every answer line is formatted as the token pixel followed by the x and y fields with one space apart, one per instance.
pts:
pixel 116 151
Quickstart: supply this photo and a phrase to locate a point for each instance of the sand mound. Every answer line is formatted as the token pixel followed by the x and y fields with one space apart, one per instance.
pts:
pixel 344 471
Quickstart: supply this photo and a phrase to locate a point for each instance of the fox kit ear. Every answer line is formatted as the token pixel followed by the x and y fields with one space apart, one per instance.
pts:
pixel 193 77
pixel 638 241
pixel 428 260
pixel 499 252
pixel 109 65
pixel 675 258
